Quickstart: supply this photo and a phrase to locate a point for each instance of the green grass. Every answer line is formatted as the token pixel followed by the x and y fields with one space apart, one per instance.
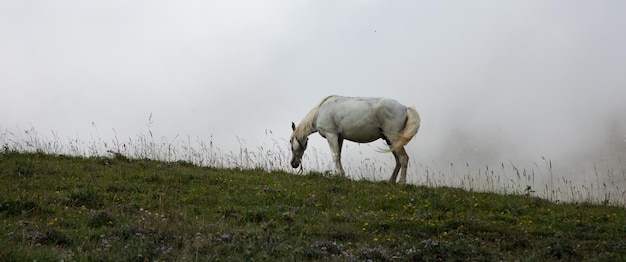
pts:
pixel 55 207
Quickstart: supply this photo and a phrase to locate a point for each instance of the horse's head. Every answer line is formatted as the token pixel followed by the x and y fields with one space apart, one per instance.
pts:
pixel 297 148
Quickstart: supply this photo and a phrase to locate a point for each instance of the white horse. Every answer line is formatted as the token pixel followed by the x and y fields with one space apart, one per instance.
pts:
pixel 360 120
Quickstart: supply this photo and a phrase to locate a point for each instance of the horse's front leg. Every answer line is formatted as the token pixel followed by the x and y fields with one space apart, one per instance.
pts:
pixel 335 142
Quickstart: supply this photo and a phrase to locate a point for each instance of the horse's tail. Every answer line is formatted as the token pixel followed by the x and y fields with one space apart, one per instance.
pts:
pixel 411 127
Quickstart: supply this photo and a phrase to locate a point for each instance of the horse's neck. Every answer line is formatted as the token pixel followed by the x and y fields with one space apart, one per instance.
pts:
pixel 307 125
pixel 305 131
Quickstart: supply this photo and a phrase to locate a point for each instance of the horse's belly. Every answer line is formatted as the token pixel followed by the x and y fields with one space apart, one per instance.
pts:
pixel 361 134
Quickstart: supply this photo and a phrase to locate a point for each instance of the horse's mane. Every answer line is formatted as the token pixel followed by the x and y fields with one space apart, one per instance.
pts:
pixel 306 127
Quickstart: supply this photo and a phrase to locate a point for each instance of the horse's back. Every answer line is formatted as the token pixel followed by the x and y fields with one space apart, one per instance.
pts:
pixel 381 107
pixel 358 103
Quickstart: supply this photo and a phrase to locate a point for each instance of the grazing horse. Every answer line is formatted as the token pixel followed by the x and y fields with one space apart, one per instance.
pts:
pixel 361 120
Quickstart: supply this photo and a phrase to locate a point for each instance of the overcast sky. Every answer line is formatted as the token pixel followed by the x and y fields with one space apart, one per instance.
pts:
pixel 524 78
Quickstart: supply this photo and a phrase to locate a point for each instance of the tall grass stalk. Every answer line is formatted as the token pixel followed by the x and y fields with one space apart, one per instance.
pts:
pixel 545 181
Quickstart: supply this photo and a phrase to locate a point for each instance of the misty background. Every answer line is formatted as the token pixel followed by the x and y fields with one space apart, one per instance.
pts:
pixel 525 84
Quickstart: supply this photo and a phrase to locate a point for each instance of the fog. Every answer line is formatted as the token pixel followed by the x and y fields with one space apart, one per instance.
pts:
pixel 524 83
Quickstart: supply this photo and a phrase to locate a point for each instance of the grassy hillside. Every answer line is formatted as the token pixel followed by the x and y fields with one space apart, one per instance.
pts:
pixel 68 208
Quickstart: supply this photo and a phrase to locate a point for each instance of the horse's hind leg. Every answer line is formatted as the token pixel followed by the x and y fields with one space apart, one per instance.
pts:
pixel 402 162
pixel 403 158
pixel 394 175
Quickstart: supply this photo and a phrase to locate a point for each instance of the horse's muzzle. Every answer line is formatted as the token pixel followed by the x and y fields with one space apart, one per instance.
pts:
pixel 295 163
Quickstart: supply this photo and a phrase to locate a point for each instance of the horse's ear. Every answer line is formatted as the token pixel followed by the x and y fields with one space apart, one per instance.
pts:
pixel 293 126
